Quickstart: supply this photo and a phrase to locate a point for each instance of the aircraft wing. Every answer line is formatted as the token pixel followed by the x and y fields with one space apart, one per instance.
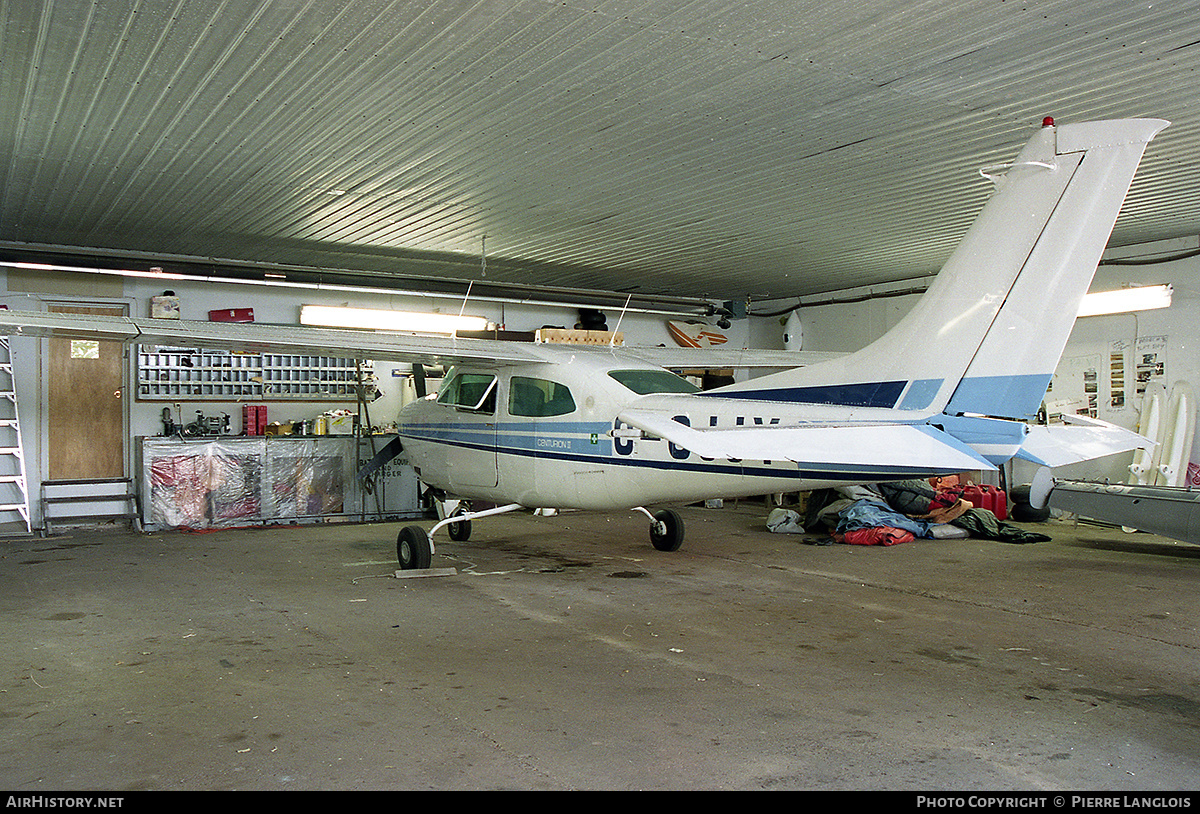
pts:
pixel 917 447
pixel 709 358
pixel 374 345
pixel 1080 439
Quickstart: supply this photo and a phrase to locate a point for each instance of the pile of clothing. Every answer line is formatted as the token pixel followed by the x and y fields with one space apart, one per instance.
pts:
pixel 896 512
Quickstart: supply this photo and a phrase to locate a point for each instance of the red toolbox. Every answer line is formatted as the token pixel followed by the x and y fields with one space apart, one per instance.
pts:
pixel 254 419
pixel 231 315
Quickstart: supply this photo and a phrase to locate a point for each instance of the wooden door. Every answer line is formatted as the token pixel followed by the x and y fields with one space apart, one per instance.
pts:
pixel 86 434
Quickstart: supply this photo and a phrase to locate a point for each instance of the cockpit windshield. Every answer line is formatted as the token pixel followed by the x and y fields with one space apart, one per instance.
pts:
pixel 645 382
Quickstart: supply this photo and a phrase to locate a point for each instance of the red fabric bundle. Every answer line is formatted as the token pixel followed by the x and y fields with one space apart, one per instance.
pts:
pixel 879 535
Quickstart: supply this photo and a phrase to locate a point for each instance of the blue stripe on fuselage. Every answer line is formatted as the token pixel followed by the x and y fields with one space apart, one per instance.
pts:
pixel 868 394
pixel 1016 396
pixel 526 446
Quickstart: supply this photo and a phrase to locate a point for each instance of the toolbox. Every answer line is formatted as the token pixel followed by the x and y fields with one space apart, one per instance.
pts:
pixel 231 315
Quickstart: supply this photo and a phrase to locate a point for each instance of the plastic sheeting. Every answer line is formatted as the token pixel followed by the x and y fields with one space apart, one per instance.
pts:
pixel 223 482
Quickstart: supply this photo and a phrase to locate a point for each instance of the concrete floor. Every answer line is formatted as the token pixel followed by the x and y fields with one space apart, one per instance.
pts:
pixel 566 653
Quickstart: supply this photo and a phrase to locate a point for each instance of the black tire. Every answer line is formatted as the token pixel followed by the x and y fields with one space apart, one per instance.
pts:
pixel 1021 511
pixel 670 536
pixel 413 549
pixel 1020 494
pixel 1024 513
pixel 460 532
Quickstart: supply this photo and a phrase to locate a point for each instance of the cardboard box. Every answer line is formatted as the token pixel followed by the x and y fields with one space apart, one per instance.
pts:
pixel 164 307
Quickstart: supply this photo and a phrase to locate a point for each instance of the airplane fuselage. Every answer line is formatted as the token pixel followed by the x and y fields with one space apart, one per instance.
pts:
pixel 548 436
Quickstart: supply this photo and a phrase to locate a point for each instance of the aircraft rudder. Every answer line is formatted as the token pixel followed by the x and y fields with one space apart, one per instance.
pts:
pixel 986 336
pixel 1019 352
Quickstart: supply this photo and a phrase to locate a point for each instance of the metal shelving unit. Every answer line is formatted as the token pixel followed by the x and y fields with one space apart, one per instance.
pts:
pixel 190 374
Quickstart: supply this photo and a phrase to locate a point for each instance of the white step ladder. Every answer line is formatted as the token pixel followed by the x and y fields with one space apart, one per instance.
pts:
pixel 14 492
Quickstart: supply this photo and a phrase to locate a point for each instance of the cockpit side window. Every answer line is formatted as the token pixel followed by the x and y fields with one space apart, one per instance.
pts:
pixel 645 382
pixel 470 391
pixel 538 398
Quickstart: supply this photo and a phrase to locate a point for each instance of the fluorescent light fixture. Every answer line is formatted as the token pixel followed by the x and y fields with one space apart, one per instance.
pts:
pixel 330 316
pixel 154 273
pixel 278 280
pixel 1138 298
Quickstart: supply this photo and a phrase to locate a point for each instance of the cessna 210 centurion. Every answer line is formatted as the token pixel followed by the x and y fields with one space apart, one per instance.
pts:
pixel 947 389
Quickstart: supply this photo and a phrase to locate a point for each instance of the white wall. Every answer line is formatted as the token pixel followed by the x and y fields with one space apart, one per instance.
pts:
pixel 1101 336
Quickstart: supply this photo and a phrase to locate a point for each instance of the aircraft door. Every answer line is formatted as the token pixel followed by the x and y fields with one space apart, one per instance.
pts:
pixel 545 408
pixel 471 459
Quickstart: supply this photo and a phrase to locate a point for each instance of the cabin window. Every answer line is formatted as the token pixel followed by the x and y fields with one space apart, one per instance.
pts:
pixel 644 382
pixel 470 391
pixel 538 398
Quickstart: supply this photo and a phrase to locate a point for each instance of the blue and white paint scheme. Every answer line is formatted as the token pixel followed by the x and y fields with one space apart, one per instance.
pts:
pixel 948 389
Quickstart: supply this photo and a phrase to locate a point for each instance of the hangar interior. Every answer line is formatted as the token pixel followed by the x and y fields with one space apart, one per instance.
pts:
pixel 709 164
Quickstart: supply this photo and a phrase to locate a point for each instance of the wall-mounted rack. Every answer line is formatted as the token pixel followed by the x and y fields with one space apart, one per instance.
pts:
pixel 191 374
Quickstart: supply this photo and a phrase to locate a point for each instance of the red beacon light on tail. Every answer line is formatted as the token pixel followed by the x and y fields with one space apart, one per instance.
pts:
pixel 1048 121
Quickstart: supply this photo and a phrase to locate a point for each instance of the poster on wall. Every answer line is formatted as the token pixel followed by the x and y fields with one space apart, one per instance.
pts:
pixel 1150 354
pixel 1117 354
pixel 1075 388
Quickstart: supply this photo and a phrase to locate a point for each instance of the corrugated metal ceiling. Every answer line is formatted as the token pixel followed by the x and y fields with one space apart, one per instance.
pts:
pixel 718 148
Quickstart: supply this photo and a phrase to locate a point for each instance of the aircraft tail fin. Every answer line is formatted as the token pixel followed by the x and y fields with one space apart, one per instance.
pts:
pixel 987 335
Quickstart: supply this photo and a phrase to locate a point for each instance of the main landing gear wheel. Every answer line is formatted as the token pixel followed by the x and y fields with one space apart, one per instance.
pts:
pixel 413 548
pixel 666 530
pixel 459 531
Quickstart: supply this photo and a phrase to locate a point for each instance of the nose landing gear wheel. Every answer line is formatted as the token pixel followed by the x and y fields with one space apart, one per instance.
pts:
pixel 413 548
pixel 666 530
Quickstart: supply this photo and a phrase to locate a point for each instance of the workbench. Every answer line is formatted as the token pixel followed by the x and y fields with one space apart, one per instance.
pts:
pixel 225 481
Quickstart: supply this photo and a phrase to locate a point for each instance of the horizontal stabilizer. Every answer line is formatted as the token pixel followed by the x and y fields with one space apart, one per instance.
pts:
pixel 1084 439
pixel 908 447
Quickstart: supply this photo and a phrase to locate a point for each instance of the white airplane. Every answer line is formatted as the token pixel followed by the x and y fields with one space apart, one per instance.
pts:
pixel 948 389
